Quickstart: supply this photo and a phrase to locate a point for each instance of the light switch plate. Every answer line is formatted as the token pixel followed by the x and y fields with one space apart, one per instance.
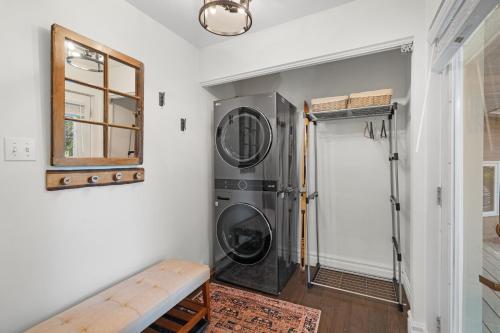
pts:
pixel 19 149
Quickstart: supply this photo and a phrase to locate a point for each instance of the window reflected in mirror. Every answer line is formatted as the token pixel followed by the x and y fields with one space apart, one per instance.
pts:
pixel 83 102
pixel 82 140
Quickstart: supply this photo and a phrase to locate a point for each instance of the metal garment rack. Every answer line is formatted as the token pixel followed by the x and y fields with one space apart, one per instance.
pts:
pixel 388 111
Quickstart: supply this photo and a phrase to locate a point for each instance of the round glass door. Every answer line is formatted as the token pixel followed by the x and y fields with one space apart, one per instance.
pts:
pixel 244 234
pixel 244 137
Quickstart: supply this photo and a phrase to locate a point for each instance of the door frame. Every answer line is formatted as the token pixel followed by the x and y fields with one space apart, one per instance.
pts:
pixel 446 217
pixel 457 202
pixel 451 215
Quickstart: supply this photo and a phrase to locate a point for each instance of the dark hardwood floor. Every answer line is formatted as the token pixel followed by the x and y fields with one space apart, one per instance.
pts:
pixel 344 312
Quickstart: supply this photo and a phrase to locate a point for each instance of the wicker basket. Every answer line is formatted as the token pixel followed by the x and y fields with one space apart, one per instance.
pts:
pixel 370 98
pixel 329 103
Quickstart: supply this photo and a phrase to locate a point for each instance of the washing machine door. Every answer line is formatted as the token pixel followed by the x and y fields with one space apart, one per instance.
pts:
pixel 244 234
pixel 243 137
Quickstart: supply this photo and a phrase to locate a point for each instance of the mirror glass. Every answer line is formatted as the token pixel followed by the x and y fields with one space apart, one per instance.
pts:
pixel 97 103
pixel 83 64
pixel 122 110
pixel 82 102
pixel 121 142
pixel 121 77
pixel 82 140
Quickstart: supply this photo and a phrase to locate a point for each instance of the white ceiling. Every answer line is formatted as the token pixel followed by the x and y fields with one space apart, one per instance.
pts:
pixel 181 16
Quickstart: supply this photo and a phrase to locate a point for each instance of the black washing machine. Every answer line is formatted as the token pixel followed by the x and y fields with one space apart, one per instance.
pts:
pixel 255 235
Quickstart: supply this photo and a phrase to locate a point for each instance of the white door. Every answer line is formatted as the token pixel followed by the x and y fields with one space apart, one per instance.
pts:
pixel 478 141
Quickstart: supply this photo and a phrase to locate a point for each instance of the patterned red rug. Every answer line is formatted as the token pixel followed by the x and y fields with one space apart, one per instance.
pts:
pixel 235 310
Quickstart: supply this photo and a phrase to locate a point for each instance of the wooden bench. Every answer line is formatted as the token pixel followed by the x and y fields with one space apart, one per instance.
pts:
pixel 155 296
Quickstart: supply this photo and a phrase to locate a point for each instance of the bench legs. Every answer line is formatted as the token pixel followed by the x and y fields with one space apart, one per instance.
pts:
pixel 206 298
pixel 196 313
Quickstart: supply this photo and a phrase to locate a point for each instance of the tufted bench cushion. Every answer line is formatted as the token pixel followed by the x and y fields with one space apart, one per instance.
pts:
pixel 131 305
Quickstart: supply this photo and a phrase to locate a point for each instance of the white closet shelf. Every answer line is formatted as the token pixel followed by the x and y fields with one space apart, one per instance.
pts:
pixel 369 111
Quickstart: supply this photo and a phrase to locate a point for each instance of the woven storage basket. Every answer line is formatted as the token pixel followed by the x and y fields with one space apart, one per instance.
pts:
pixel 329 103
pixel 370 98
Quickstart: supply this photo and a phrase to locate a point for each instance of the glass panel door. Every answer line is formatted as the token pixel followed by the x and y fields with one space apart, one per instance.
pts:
pixel 480 229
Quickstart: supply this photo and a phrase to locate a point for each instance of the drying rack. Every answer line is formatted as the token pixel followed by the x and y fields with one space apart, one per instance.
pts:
pixel 360 284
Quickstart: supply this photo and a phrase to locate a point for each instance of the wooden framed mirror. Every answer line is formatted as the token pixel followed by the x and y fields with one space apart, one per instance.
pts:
pixel 97 103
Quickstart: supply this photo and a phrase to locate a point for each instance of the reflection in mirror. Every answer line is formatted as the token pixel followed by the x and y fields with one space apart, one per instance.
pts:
pixel 121 142
pixel 83 64
pixel 121 77
pixel 83 102
pixel 82 140
pixel 122 110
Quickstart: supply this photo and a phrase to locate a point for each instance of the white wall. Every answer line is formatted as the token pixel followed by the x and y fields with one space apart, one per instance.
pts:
pixel 353 171
pixel 57 248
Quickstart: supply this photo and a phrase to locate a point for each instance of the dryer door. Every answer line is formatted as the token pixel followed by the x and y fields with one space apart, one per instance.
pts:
pixel 244 234
pixel 243 137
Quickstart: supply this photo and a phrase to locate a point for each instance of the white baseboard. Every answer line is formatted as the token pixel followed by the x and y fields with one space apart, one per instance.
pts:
pixel 352 264
pixel 415 327
pixel 407 284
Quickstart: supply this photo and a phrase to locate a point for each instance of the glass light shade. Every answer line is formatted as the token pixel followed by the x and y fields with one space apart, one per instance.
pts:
pixel 226 17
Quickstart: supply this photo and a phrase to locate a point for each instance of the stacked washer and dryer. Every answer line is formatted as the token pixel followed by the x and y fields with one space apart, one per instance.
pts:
pixel 256 192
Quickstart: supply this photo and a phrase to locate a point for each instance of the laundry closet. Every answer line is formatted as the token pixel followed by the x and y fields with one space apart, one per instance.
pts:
pixel 353 170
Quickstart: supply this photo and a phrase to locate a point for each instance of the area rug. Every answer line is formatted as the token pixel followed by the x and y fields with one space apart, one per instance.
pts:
pixel 235 310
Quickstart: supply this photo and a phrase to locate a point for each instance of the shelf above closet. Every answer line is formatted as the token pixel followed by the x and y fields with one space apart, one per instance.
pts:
pixel 369 111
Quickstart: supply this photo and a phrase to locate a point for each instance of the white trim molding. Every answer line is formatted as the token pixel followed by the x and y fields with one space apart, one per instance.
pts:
pixel 407 285
pixel 357 52
pixel 415 327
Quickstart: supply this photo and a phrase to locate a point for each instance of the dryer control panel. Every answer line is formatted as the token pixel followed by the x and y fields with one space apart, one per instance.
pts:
pixel 246 185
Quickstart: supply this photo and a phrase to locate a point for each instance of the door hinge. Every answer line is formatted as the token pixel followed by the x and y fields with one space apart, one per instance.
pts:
pixel 439 196
pixel 438 324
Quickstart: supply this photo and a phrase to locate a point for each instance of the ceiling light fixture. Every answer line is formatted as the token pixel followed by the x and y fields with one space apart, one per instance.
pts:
pixel 226 17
